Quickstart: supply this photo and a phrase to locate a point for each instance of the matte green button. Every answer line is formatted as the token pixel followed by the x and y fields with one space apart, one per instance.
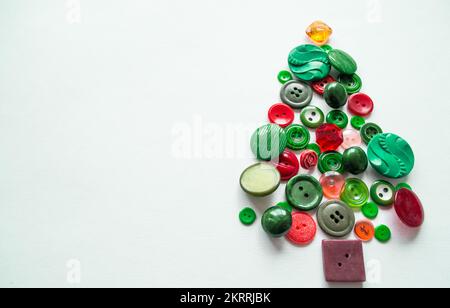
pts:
pixel 247 216
pixel 337 117
pixel 276 221
pixel 403 185
pixel 286 206
pixel 268 142
pixel 382 193
pixel 370 210
pixel 352 83
pixel 304 192
pixel 355 160
pixel 309 63
pixel 355 193
pixel 327 48
pixel 330 161
pixel 312 117
pixel 314 147
pixel 335 95
pixel 342 62
pixel 260 180
pixel 370 130
pixel 335 218
pixel 357 122
pixel 285 76
pixel 298 137
pixel 383 233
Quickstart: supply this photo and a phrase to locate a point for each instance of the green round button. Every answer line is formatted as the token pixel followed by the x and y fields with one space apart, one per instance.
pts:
pixel 247 216
pixel 337 117
pixel 286 206
pixel 309 63
pixel 355 160
pixel 314 147
pixel 357 122
pixel 285 76
pixel 335 218
pixel 312 117
pixel 330 161
pixel 260 180
pixel 383 233
pixel 342 62
pixel 297 137
pixel 304 192
pixel 370 130
pixel 276 221
pixel 335 95
pixel 327 48
pixel 403 185
pixel 355 193
pixel 382 193
pixel 268 142
pixel 352 83
pixel 370 210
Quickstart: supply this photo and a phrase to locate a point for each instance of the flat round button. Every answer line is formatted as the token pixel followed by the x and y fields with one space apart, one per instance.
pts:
pixel 312 117
pixel 304 192
pixel 298 137
pixel 286 206
pixel 331 161
pixel 296 94
pixel 364 230
pixel 329 137
pixel 403 185
pixel 276 221
pixel 360 104
pixel 309 63
pixel 285 76
pixel 383 233
pixel 281 114
pixel 260 180
pixel 287 165
pixel 357 122
pixel 382 193
pixel 352 138
pixel 335 95
pixel 247 216
pixel 332 183
pixel 409 208
pixel 370 130
pixel 342 62
pixel 308 159
pixel 319 85
pixel 391 156
pixel 355 160
pixel 337 117
pixel 335 218
pixel 268 142
pixel 352 83
pixel 370 210
pixel 355 193
pixel 303 229
pixel 314 147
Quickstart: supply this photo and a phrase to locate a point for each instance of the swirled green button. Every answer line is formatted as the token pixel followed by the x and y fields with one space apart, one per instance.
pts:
pixel 391 156
pixel 260 180
pixel 298 137
pixel 330 161
pixel 370 210
pixel 337 117
pixel 382 193
pixel 355 193
pixel 312 117
pixel 314 147
pixel 309 63
pixel 247 216
pixel 284 76
pixel 352 83
pixel 357 122
pixel 342 62
pixel 268 142
pixel 304 192
pixel 327 48
pixel 370 130
pixel 355 160
pixel 383 233
pixel 335 95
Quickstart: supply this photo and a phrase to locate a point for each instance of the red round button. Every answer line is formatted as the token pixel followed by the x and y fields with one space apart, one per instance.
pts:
pixel 409 208
pixel 303 229
pixel 329 137
pixel 288 165
pixel 281 114
pixel 319 86
pixel 360 104
pixel 308 159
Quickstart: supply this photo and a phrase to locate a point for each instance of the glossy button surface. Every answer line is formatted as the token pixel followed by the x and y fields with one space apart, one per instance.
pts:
pixel 281 114
pixel 370 210
pixel 357 122
pixel 335 95
pixel 355 160
pixel 370 130
pixel 319 32
pixel 383 233
pixel 352 83
pixel 409 208
pixel 364 230
pixel 331 161
pixel 276 221
pixel 382 193
pixel 284 76
pixel 320 85
pixel 332 183
pixel 304 192
pixel 342 62
pixel 355 193
pixel 335 218
pixel 308 159
pixel 314 147
pixel 297 137
pixel 309 63
pixel 312 117
pixel 352 138
pixel 268 142
pixel 247 216
pixel 303 229
pixel 296 94
pixel 329 137
pixel 360 104
pixel 260 180
pixel 288 165
pixel 337 117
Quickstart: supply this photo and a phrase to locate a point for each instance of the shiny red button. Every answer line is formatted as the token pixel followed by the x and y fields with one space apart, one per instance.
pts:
pixel 360 104
pixel 319 86
pixel 288 165
pixel 281 114
pixel 329 137
pixel 409 208
pixel 308 159
pixel 303 229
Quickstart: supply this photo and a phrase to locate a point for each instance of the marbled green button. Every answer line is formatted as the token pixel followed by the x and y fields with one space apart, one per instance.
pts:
pixel 342 62
pixel 335 95
pixel 357 122
pixel 330 161
pixel 383 233
pixel 276 221
pixel 352 83
pixel 370 130
pixel 309 63
pixel 312 117
pixel 337 117
pixel 297 137
pixel 247 216
pixel 382 193
pixel 284 76
pixel 304 192
pixel 355 160
pixel 335 218
pixel 370 210
pixel 355 193
pixel 327 48
pixel 268 142
pixel 260 180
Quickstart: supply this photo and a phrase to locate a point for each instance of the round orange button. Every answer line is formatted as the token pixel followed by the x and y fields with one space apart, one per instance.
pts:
pixel 365 230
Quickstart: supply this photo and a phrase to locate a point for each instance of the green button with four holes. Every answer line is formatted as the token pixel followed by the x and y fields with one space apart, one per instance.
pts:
pixel 337 117
pixel 247 216
pixel 330 161
pixel 355 193
pixel 370 210
pixel 312 117
pixel 357 122
pixel 297 137
pixel 382 193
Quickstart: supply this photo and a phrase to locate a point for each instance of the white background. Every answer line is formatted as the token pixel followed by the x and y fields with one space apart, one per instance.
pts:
pixel 97 181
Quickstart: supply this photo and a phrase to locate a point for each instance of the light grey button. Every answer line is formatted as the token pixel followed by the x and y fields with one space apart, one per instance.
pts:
pixel 296 94
pixel 336 218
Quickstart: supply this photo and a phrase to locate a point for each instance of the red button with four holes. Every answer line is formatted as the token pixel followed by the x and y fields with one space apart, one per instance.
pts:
pixel 281 114
pixel 303 230
pixel 319 86
pixel 360 104
pixel 288 165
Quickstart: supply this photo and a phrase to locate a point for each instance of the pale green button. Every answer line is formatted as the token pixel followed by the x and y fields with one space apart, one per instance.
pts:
pixel 260 180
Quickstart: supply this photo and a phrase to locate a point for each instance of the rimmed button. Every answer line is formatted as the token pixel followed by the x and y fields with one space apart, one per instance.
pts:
pixel 355 193
pixel 298 137
pixel 370 130
pixel 364 230
pixel 332 183
pixel 383 233
pixel 352 138
pixel 337 117
pixel 319 86
pixel 303 229
pixel 284 76
pixel 352 83
pixel 382 193
pixel 335 218
pixel 288 165
pixel 312 117
pixel 370 210
pixel 357 122
pixel 360 104
pixel 247 216
pixel 281 114
pixel 296 94
pixel 331 161
pixel 304 192
pixel 260 180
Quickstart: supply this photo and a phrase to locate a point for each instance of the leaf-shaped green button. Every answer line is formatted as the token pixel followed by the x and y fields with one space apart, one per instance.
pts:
pixel 342 62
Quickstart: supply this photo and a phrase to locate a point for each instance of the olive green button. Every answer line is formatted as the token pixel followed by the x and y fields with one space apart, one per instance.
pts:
pixel 370 130
pixel 403 185
pixel 382 193
pixel 342 62
pixel 276 221
pixel 309 63
pixel 335 218
pixel 304 192
pixel 260 180
pixel 330 161
pixel 370 210
pixel 298 137
pixel 352 83
pixel 357 122
pixel 335 95
pixel 286 206
pixel 327 48
pixel 355 160
pixel 268 142
pixel 355 193
pixel 314 147
pixel 284 76
pixel 383 233
pixel 312 117
pixel 247 216
pixel 337 117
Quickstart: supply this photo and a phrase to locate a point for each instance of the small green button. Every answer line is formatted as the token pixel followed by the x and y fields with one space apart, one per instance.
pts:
pixel 403 185
pixel 314 147
pixel 370 130
pixel 286 206
pixel 247 216
pixel 276 221
pixel 304 192
pixel 327 48
pixel 352 83
pixel 357 122
pixel 355 160
pixel 342 62
pixel 335 95
pixel 370 210
pixel 268 142
pixel 312 117
pixel 382 193
pixel 330 161
pixel 285 76
pixel 298 137
pixel 355 193
pixel 383 233
pixel 337 117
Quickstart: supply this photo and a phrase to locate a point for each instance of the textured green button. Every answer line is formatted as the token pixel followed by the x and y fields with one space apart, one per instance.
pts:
pixel 268 142
pixel 247 216
pixel 383 233
pixel 342 62
pixel 403 185
pixel 298 137
pixel 304 192
pixel 391 156
pixel 286 206
pixel 335 95
pixel 260 180
pixel 327 48
pixel 337 117
pixel 309 63
pixel 330 161
pixel 355 160
pixel 357 122
pixel 312 117
pixel 355 193
pixel 352 83
pixel 370 210
pixel 276 221
pixel 314 147
pixel 284 76
pixel 382 193
pixel 370 130
pixel 335 218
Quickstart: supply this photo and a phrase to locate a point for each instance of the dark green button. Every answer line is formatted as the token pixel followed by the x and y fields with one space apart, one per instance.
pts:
pixel 370 130
pixel 312 117
pixel 247 216
pixel 304 192
pixel 355 193
pixel 298 137
pixel 355 160
pixel 382 193
pixel 284 76
pixel 342 62
pixel 335 95
pixel 309 63
pixel 335 218
pixel 268 142
pixel 403 185
pixel 352 83
pixel 314 147
pixel 370 210
pixel 276 221
pixel 357 122
pixel 327 48
pixel 330 161
pixel 383 233
pixel 337 117
pixel 286 206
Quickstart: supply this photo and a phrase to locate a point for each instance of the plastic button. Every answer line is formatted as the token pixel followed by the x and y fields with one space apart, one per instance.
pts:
pixel 383 233
pixel 352 83
pixel 332 183
pixel 308 159
pixel 286 206
pixel 335 218
pixel 309 63
pixel 268 142
pixel 296 94
pixel 276 221
pixel 355 193
pixel 370 130
pixel 409 208
pixel 303 229
pixel 327 48
pixel 247 216
pixel 281 114
pixel 298 137
pixel 330 161
pixel 403 185
pixel 304 192
pixel 338 118
pixel 335 95
pixel 352 138
pixel 284 76
pixel 288 165
pixel 343 261
pixel 357 122
pixel 370 210
pixel 312 117
pixel 342 62
pixel 382 193
pixel 319 85
pixel 364 230
pixel 329 137
pixel 314 147
pixel 260 180
pixel 360 104
pixel 319 32
pixel 355 160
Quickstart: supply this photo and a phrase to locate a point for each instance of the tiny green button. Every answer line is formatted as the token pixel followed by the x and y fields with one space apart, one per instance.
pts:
pixel 355 193
pixel 382 193
pixel 370 130
pixel 357 122
pixel 337 117
pixel 298 137
pixel 331 161
pixel 352 83
pixel 370 210
pixel 383 233
pixel 284 76
pixel 314 147
pixel 247 216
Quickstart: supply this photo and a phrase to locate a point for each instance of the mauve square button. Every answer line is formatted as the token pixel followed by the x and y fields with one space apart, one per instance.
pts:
pixel 343 261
